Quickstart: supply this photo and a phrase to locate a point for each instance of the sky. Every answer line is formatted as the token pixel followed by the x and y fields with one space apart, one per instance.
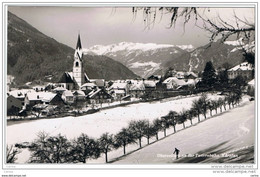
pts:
pixel 110 25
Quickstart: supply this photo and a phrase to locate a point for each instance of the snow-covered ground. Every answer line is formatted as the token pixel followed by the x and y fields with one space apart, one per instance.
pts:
pixel 110 120
pixel 229 133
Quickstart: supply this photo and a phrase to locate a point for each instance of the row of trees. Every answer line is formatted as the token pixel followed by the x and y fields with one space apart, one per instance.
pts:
pixel 58 149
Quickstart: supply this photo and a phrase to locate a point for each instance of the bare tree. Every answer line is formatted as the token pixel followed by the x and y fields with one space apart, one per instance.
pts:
pixel 138 129
pixel 106 142
pixel 182 117
pixel 11 154
pixel 220 103
pixel 166 123
pixel 218 27
pixel 149 131
pixel 50 149
pixel 197 108
pixel 203 102
pixel 123 138
pixel 157 126
pixel 84 148
pixel 191 113
pixel 210 107
pixel 173 115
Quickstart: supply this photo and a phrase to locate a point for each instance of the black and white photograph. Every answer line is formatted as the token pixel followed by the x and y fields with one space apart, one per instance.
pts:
pixel 161 84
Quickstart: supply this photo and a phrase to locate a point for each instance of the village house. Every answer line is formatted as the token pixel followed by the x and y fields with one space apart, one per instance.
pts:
pixel 13 102
pixel 59 90
pixel 100 83
pixel 88 87
pixel 34 98
pixel 154 77
pixel 244 69
pixel 190 75
pixel 180 75
pixel 20 94
pixel 79 95
pixel 39 88
pixel 68 97
pixel 119 90
pixel 251 87
pixel 173 83
pixel 137 89
pixel 99 96
pixel 150 85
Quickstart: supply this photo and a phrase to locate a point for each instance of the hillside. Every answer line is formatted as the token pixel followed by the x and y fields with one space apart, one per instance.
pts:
pixel 34 56
pixel 150 58
pixel 142 59
pixel 218 53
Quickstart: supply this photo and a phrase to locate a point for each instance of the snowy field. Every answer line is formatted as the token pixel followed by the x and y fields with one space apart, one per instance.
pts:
pixel 110 120
pixel 231 132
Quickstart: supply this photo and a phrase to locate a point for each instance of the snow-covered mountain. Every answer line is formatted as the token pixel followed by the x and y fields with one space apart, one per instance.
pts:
pixel 218 53
pixel 150 58
pixel 143 59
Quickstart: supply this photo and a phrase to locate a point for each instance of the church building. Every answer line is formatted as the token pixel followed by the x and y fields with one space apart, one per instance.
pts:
pixel 75 79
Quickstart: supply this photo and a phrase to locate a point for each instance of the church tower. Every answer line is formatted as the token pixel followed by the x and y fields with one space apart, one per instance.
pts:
pixel 78 71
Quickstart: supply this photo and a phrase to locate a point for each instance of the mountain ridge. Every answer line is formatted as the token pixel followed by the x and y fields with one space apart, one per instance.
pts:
pixel 142 58
pixel 150 58
pixel 32 55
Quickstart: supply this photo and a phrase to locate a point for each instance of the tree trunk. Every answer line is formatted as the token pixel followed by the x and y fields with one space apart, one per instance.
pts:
pixel 198 118
pixel 211 113
pixel 124 149
pixel 225 107
pixel 216 110
pixel 183 125
pixel 174 128
pixel 157 136
pixel 191 121
pixel 220 108
pixel 205 116
pixel 148 140
pixel 140 145
pixel 106 155
pixel 165 132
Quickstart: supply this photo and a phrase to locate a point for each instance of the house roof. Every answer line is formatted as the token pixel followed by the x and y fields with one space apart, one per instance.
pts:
pixel 89 84
pixel 180 74
pixel 67 93
pixel 43 96
pixel 79 93
pixel 252 82
pixel 191 82
pixel 175 80
pixel 137 86
pixel 243 67
pixel 67 77
pixel 86 77
pixel 191 74
pixel 98 82
pixel 119 91
pixel 20 93
pixel 93 93
pixel 119 86
pixel 59 89
pixel 149 83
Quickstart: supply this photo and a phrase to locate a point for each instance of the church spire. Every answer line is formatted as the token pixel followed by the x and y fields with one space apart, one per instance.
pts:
pixel 78 43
